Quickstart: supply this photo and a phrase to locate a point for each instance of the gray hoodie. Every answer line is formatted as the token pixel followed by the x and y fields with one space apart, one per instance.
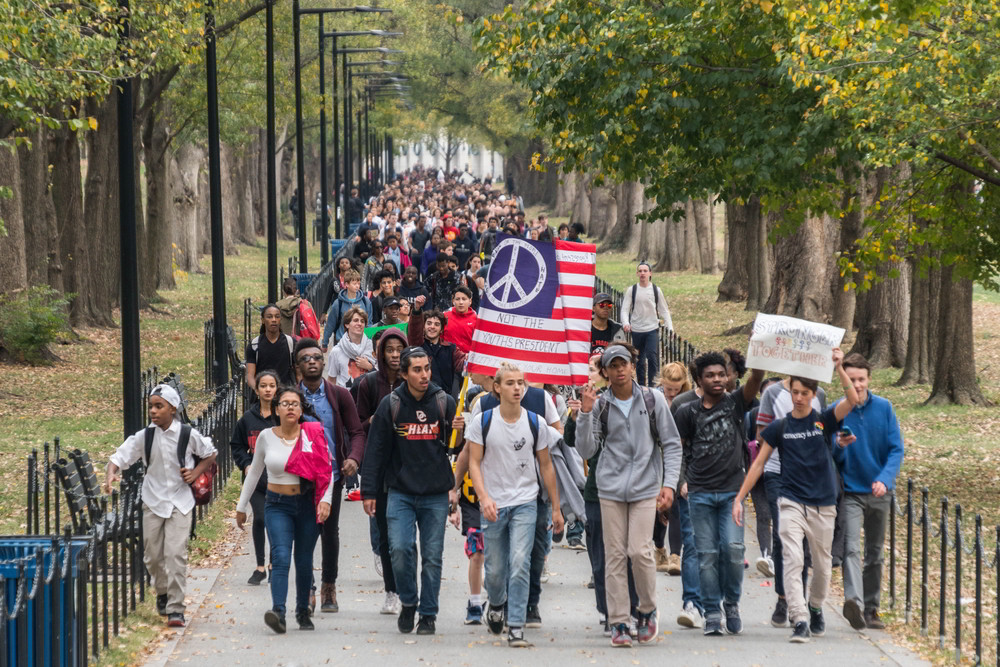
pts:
pixel 631 467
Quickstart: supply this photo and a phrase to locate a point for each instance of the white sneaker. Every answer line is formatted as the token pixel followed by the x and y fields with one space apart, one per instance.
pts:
pixel 378 564
pixel 392 606
pixel 545 575
pixel 765 566
pixel 690 617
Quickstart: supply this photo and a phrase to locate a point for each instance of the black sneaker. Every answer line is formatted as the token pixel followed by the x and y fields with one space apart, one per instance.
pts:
pixel 175 620
pixel 734 624
pixel 801 633
pixel 275 621
pixel 713 627
pixel 515 638
pixel 533 619
pixel 779 618
pixel 256 578
pixel 495 619
pixel 405 620
pixel 817 626
pixel 426 625
pixel 161 604
pixel 852 612
pixel 304 621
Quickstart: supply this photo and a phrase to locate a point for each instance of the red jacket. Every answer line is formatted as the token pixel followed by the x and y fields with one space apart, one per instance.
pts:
pixel 311 459
pixel 460 328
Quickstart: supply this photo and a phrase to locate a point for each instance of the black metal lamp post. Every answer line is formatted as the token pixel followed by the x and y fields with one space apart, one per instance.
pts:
pixel 333 36
pixel 297 13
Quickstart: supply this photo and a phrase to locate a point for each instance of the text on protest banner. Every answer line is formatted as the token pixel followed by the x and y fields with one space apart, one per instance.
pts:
pixel 792 346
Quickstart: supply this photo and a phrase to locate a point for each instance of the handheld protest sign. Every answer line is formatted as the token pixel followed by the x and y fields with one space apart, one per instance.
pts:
pixel 792 346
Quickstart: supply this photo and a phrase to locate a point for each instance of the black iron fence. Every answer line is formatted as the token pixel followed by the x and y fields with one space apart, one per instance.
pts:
pixel 672 347
pixel 954 590
pixel 69 583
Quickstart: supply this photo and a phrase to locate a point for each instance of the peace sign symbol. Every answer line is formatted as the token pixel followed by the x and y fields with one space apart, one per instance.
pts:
pixel 500 290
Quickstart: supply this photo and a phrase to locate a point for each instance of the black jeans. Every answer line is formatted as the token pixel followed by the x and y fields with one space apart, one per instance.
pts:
pixel 388 580
pixel 257 501
pixel 330 536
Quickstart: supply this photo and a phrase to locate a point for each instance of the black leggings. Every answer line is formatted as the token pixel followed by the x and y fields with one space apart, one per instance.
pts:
pixel 257 500
pixel 330 536
pixel 671 531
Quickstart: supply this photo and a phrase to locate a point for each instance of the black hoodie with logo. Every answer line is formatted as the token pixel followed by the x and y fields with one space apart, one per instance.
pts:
pixel 409 454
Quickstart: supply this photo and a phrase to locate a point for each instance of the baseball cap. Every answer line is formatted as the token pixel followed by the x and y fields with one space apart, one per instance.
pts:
pixel 167 393
pixel 602 297
pixel 615 352
pixel 390 302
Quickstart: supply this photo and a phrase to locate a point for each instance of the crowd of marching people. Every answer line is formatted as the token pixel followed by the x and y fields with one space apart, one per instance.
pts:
pixel 647 469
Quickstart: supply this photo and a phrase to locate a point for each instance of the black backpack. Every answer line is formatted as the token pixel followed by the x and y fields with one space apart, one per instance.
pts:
pixel 656 296
pixel 182 443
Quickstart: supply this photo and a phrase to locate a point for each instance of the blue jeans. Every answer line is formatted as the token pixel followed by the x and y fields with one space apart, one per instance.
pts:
pixel 291 520
pixel 720 550
pixel 647 344
pixel 772 486
pixel 405 514
pixel 595 551
pixel 690 578
pixel 539 550
pixel 508 543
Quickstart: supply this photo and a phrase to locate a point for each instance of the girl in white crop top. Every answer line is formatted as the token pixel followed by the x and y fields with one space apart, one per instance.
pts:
pixel 296 514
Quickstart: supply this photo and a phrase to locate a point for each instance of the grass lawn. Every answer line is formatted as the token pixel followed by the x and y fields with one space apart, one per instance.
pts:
pixel 951 450
pixel 79 400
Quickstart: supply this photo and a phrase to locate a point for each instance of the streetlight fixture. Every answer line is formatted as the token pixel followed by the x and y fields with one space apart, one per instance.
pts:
pixel 333 36
pixel 297 13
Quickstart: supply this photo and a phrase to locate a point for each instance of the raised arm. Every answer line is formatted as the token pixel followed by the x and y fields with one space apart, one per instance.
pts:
pixel 843 408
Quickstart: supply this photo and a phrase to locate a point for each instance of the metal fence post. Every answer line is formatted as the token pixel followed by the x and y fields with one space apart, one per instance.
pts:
pixel 958 582
pixel 925 530
pixel 908 609
pixel 943 594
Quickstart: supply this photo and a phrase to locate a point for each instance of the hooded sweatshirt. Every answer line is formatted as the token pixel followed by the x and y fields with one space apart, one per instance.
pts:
pixel 288 306
pixel 632 467
pixel 411 292
pixel 460 328
pixel 409 454
pixel 335 316
pixel 369 398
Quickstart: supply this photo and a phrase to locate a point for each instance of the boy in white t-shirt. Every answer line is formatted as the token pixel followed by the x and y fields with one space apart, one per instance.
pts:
pixel 503 444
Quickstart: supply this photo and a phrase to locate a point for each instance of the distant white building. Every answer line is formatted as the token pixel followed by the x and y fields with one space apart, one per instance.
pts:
pixel 478 161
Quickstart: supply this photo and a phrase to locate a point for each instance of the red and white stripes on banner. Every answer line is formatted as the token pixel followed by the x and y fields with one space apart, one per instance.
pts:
pixel 553 350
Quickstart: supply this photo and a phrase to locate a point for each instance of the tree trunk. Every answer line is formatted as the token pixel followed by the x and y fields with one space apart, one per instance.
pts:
pixel 955 379
pixel 801 286
pixel 706 243
pixel 565 195
pixel 741 236
pixel 630 202
pixel 604 208
pixel 535 187
pixel 690 257
pixel 582 212
pixel 159 234
pixel 36 210
pixel 101 209
pixel 13 261
pixel 883 313
pixel 184 197
pixel 853 205
pixel 921 349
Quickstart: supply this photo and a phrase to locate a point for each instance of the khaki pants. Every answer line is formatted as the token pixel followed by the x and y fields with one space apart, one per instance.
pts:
pixel 165 543
pixel 627 535
pixel 815 524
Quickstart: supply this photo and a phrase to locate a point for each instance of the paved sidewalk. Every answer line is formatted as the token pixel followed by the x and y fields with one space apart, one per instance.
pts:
pixel 228 629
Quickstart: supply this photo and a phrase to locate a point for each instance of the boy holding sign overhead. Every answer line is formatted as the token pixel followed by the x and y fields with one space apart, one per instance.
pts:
pixel 808 496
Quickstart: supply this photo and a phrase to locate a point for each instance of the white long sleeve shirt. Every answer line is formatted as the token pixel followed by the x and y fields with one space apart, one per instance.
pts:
pixel 272 453
pixel 646 316
pixel 163 488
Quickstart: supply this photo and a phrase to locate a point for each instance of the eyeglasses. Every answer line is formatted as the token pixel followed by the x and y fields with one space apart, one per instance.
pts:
pixel 306 358
pixel 289 404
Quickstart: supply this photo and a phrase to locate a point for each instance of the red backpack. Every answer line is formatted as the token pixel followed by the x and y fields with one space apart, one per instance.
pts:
pixel 305 324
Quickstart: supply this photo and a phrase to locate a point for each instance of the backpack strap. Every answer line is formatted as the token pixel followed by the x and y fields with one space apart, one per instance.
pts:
pixel 291 346
pixel 650 401
pixel 150 431
pixel 255 343
pixel 533 425
pixel 442 405
pixel 394 406
pixel 182 443
pixel 487 419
